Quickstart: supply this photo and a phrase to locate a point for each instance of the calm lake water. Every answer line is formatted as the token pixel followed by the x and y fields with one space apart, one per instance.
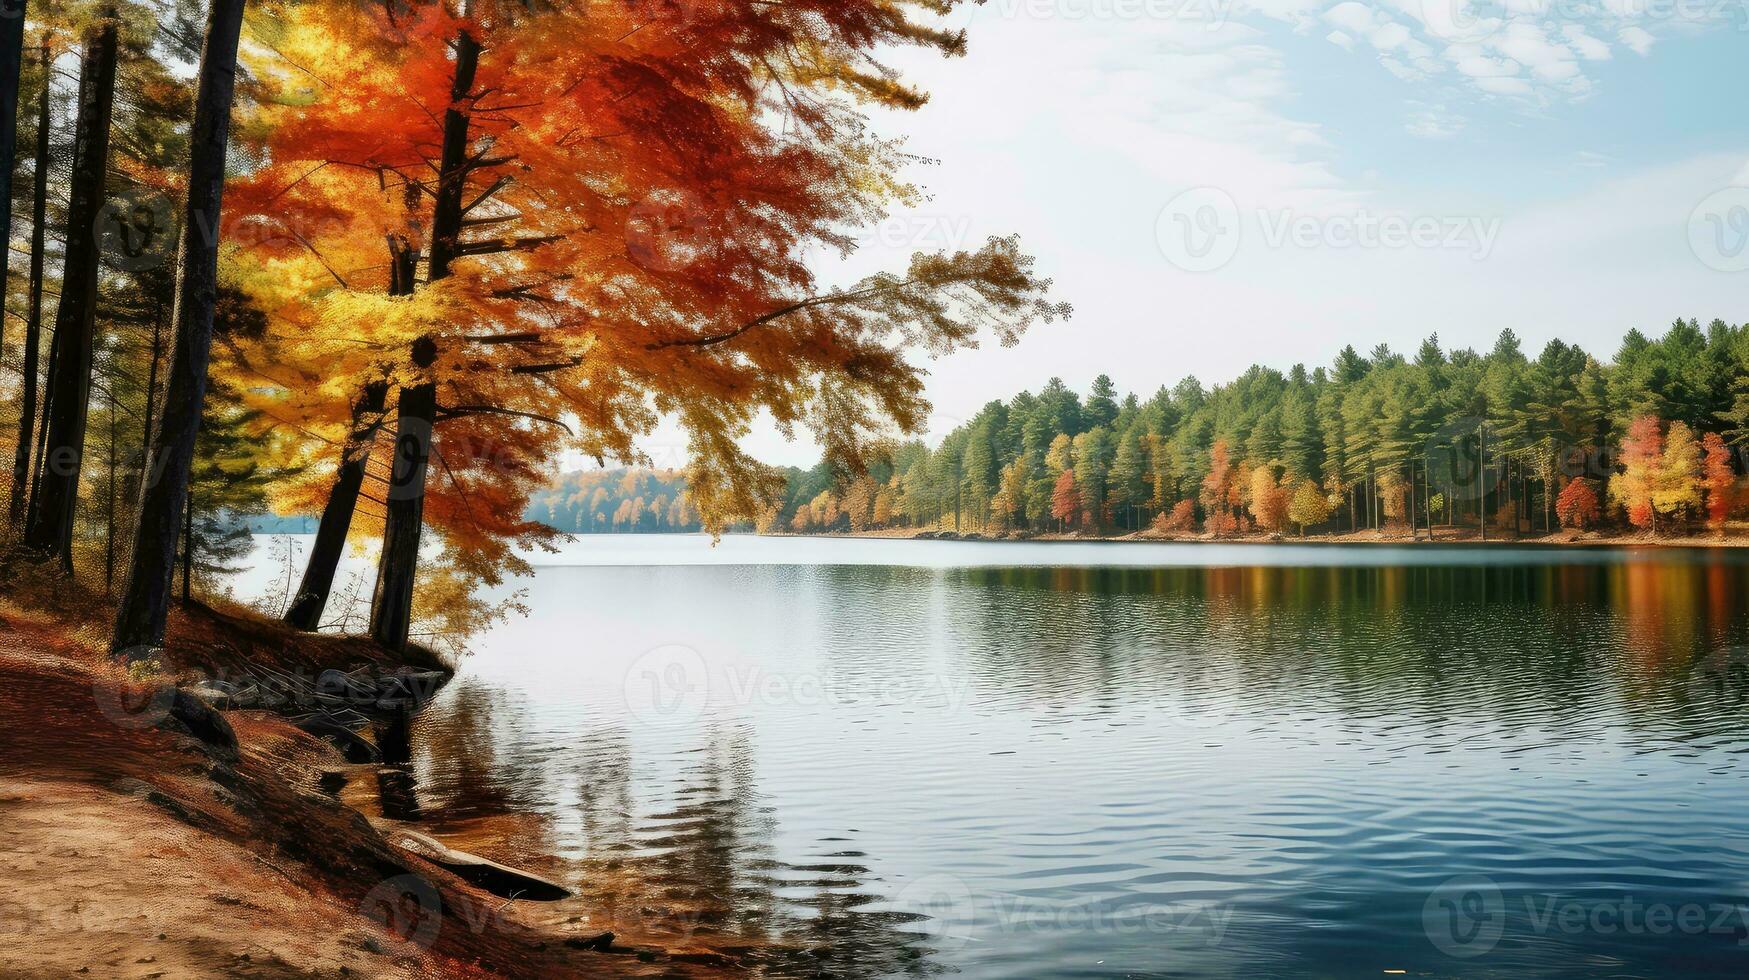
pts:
pixel 883 758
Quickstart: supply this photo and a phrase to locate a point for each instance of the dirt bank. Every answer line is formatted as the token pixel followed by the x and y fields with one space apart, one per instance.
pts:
pixel 143 834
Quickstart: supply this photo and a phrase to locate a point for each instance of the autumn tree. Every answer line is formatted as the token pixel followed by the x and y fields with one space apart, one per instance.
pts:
pixel 1269 502
pixel 858 503
pixel 1642 454
pixel 1577 506
pixel 1180 519
pixel 1309 506
pixel 1220 491
pixel 600 284
pixel 1676 488
pixel 1720 480
pixel 1066 500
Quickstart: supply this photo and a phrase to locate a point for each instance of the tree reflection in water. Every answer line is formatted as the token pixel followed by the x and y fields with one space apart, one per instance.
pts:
pixel 698 874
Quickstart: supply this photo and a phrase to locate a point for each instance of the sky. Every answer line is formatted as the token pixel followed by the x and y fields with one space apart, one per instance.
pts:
pixel 1215 183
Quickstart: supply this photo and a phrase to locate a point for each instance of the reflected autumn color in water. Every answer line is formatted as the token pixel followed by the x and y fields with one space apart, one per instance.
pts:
pixel 701 877
pixel 1299 755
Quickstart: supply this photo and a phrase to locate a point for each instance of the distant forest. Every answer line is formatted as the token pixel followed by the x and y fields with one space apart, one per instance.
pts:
pixel 1650 440
pixel 617 501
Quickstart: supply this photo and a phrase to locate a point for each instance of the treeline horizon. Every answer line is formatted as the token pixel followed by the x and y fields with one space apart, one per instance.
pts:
pixel 1502 441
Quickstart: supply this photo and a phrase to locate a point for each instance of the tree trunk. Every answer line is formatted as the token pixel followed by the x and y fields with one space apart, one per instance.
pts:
pixel 187 550
pixel 311 600
pixel 152 388
pixel 11 69
pixel 145 598
pixel 21 469
pixel 49 530
pixel 1482 474
pixel 392 606
pixel 1427 495
pixel 42 429
pixel 109 517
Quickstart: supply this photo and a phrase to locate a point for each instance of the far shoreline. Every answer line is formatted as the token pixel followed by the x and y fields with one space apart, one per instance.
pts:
pixel 1552 542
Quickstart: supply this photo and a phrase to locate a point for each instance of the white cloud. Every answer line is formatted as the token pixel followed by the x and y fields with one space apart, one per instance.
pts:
pixel 1504 86
pixel 1526 44
pixel 1584 45
pixel 1480 66
pixel 1636 38
pixel 1419 40
pixel 1352 16
pixel 1389 36
pixel 1433 122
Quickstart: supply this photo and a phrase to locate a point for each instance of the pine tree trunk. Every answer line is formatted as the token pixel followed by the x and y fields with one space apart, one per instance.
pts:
pixel 392 607
pixel 21 469
pixel 42 428
pixel 318 582
pixel 145 598
pixel 11 69
pixel 1482 474
pixel 109 517
pixel 49 529
pixel 152 388
pixel 330 544
pixel 1427 495
pixel 187 551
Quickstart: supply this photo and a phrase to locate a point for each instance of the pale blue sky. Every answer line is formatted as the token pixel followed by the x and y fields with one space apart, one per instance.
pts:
pixel 1555 151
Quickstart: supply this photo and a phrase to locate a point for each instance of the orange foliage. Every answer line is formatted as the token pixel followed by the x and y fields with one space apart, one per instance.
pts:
pixel 641 196
pixel 1642 451
pixel 1181 519
pixel 1065 499
pixel 1577 505
pixel 1721 482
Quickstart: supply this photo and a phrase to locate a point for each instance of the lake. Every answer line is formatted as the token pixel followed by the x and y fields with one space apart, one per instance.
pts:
pixel 889 758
